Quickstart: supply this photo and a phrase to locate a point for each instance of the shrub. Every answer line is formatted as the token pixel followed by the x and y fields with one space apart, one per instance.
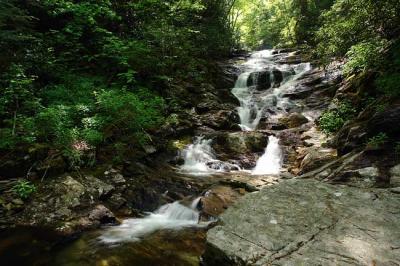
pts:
pixel 24 189
pixel 332 120
pixel 124 112
pixel 363 56
pixel 378 140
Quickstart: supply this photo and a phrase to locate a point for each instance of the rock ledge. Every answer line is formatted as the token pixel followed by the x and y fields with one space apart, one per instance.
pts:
pixel 306 222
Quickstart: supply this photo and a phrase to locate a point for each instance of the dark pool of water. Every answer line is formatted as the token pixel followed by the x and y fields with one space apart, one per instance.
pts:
pixel 37 247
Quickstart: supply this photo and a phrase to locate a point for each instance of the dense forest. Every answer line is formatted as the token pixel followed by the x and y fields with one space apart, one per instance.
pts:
pixel 89 83
pixel 78 74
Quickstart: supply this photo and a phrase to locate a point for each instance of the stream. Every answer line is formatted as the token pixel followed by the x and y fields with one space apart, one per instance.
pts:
pixel 175 233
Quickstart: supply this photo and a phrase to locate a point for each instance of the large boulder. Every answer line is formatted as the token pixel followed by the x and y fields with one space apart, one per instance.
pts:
pixel 240 142
pixel 293 120
pixel 218 199
pixel 261 80
pixel 220 120
pixel 67 205
pixel 307 222
pixel 315 158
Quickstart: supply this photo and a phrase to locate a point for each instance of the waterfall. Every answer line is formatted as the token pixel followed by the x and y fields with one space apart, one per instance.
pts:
pixel 262 54
pixel 199 159
pixel 172 216
pixel 271 161
pixel 197 155
pixel 253 103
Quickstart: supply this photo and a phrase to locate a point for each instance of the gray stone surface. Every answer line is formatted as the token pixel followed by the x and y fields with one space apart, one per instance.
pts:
pixel 395 176
pixel 306 222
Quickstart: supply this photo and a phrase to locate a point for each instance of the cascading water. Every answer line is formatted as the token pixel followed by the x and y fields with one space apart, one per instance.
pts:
pixel 271 162
pixel 260 72
pixel 196 157
pixel 172 216
pixel 199 159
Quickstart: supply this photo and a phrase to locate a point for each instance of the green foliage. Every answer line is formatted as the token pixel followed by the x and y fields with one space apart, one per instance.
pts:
pixel 78 74
pixel 24 189
pixel 378 140
pixel 388 82
pixel 278 22
pixel 123 112
pixel 364 56
pixel 350 23
pixel 333 120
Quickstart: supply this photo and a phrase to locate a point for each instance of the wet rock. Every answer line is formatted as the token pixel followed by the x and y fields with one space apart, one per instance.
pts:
pixel 117 201
pixel 315 158
pixel 270 100
pixel 395 176
pixel 278 77
pixel 221 119
pixel 229 73
pixel 240 143
pixel 294 120
pixel 204 107
pixel 101 215
pixel 290 60
pixel 97 187
pixel 217 200
pixel 239 184
pixel 71 190
pixel 261 80
pixel 298 92
pixel 64 204
pixel 223 166
pixel 300 221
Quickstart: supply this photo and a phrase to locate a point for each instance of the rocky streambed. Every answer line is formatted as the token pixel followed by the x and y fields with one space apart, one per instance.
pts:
pixel 254 182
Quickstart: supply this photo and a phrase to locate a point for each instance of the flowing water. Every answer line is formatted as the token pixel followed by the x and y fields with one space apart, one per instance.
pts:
pixel 260 89
pixel 271 162
pixel 261 85
pixel 173 234
pixel 200 159
pixel 171 216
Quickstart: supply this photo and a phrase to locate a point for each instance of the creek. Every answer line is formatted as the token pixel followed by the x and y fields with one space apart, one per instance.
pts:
pixel 174 234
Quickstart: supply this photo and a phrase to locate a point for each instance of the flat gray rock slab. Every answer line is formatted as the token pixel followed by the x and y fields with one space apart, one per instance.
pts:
pixel 307 222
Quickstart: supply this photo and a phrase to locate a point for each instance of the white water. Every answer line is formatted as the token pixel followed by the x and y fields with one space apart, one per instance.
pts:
pixel 253 103
pixel 196 157
pixel 172 216
pixel 199 159
pixel 271 162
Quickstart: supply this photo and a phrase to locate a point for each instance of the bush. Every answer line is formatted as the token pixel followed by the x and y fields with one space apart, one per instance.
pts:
pixel 363 56
pixel 123 112
pixel 24 189
pixel 333 120
pixel 378 140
